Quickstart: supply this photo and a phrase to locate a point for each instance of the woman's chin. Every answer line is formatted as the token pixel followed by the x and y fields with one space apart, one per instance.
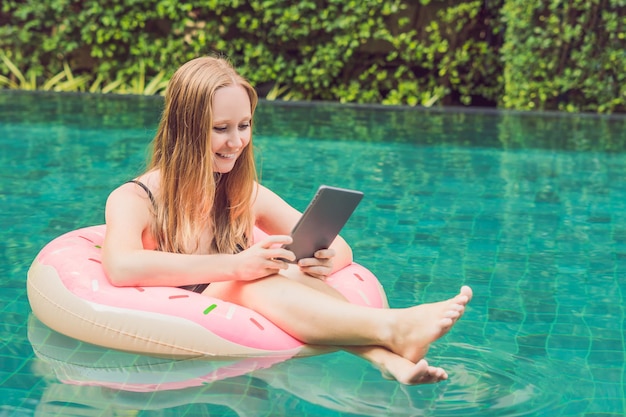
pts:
pixel 223 167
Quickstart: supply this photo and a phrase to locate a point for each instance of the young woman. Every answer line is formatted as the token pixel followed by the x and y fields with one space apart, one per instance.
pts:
pixel 187 222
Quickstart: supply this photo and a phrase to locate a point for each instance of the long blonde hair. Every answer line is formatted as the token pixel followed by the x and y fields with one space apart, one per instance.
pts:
pixel 191 196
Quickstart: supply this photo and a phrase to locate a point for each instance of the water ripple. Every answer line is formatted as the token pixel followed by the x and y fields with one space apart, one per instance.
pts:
pixel 487 383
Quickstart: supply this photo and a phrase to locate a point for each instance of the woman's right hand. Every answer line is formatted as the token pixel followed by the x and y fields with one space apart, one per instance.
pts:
pixel 264 258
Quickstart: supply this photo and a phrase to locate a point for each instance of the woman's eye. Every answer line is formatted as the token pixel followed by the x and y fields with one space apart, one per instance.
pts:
pixel 244 126
pixel 220 128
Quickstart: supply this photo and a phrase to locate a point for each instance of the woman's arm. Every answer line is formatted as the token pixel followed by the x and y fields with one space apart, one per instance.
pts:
pixel 275 216
pixel 129 258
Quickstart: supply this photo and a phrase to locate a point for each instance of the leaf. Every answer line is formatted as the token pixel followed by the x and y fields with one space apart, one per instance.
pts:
pixel 95 86
pixel 50 83
pixel 156 84
pixel 8 82
pixel 112 86
pixel 14 70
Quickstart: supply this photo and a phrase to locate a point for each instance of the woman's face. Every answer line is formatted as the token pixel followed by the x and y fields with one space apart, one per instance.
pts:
pixel 231 130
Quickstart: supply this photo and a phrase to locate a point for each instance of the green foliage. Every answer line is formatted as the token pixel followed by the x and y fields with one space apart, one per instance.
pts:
pixel 565 54
pixel 366 51
pixel 521 54
pixel 119 44
pixel 454 54
pixel 63 81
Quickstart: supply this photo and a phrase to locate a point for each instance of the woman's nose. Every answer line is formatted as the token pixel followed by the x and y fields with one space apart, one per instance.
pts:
pixel 234 140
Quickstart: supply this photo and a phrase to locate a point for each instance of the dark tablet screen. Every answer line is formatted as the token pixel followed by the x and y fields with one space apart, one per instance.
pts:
pixel 323 219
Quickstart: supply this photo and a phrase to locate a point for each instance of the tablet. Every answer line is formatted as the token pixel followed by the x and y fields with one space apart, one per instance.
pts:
pixel 323 219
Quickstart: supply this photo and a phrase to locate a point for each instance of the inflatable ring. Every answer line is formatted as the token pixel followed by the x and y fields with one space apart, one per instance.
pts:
pixel 70 293
pixel 79 363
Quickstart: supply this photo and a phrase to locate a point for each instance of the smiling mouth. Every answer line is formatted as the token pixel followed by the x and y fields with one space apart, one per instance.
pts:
pixel 227 155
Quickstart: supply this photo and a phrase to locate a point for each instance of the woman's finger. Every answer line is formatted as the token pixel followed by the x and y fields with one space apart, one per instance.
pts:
pixel 275 240
pixel 317 271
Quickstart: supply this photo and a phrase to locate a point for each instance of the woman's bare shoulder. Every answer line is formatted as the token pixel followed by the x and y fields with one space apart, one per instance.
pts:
pixel 128 204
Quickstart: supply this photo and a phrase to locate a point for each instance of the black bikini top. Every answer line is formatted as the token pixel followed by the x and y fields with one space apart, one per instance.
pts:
pixel 146 189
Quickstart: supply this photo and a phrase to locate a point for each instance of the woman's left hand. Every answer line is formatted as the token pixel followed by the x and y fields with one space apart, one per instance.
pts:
pixel 321 266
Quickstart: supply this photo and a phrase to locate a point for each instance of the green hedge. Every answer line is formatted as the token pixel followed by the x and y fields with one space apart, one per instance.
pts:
pixel 367 51
pixel 565 54
pixel 521 54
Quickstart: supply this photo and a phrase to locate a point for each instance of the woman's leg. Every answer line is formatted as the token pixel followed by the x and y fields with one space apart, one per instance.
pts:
pixel 396 367
pixel 391 366
pixel 316 316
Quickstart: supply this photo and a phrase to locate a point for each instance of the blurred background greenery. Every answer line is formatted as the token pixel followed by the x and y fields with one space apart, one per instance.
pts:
pixel 565 55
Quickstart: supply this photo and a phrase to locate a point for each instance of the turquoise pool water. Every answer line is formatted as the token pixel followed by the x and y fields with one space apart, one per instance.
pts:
pixel 530 210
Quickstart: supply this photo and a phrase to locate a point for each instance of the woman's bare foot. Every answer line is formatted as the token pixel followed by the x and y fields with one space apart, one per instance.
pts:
pixel 417 327
pixel 409 373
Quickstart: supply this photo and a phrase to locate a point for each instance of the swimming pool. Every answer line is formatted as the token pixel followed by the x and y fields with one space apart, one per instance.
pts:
pixel 530 210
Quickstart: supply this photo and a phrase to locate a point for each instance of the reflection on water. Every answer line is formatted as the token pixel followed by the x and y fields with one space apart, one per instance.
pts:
pixel 81 377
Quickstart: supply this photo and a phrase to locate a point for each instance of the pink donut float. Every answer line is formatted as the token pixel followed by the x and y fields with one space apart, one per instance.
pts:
pixel 70 293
